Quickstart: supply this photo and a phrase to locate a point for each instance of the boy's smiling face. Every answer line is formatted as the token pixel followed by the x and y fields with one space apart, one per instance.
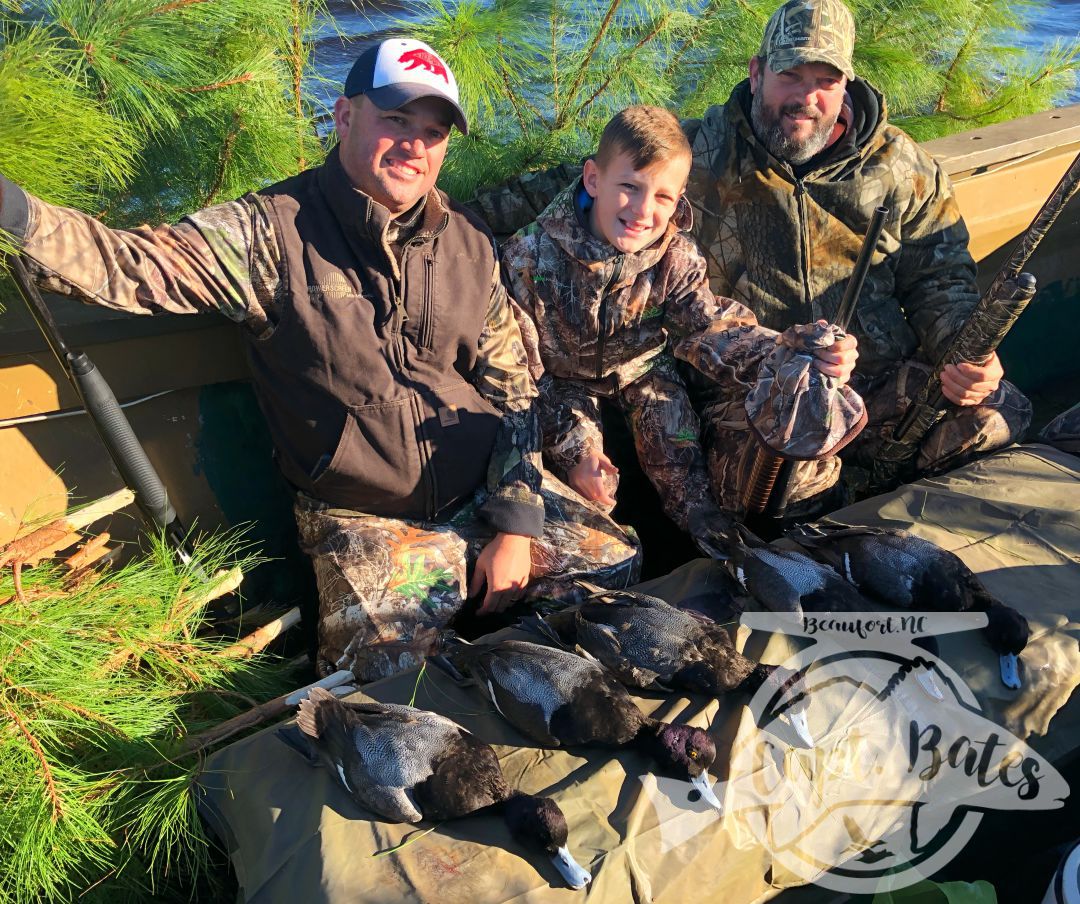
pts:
pixel 632 207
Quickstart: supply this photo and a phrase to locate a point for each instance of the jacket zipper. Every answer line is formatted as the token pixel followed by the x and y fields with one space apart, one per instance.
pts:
pixel 804 240
pixel 602 318
pixel 427 316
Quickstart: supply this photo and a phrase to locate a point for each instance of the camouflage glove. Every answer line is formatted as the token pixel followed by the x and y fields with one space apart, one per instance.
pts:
pixel 796 411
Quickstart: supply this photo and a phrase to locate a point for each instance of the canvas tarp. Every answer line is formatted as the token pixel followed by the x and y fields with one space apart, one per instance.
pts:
pixel 1014 518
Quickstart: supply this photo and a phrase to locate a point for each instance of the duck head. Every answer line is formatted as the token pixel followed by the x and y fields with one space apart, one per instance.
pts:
pixel 782 682
pixel 538 823
pixel 685 750
pixel 1007 632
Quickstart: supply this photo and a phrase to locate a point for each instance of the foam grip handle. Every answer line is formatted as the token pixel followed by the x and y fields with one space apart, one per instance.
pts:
pixel 124 447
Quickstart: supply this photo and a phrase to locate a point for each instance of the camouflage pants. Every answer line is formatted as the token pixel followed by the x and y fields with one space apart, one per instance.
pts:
pixel 666 435
pixel 1064 431
pixel 960 436
pixel 386 586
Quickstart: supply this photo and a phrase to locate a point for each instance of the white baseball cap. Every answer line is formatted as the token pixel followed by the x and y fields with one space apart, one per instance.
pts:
pixel 399 70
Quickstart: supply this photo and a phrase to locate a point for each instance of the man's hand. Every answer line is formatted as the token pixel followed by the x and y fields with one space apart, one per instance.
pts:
pixel 504 565
pixel 838 360
pixel 587 477
pixel 968 384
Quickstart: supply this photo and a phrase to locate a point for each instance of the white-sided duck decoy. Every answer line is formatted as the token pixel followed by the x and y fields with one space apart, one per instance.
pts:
pixel 650 644
pixel 558 699
pixel 407 764
pixel 901 569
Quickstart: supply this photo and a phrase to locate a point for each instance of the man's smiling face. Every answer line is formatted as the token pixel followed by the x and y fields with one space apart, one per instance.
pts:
pixel 794 112
pixel 393 156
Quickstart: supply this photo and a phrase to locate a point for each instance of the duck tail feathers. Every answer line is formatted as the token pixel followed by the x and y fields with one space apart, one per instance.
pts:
pixel 536 624
pixel 307 713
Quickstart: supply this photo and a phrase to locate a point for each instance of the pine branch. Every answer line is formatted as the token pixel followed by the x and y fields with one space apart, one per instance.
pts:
pixel 583 68
pixel 625 61
pixel 46 770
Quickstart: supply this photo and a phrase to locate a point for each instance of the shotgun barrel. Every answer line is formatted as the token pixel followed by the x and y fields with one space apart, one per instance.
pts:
pixel 771 476
pixel 107 416
pixel 998 309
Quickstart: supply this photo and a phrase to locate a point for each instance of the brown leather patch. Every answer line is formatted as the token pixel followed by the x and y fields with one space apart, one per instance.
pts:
pixel 448 415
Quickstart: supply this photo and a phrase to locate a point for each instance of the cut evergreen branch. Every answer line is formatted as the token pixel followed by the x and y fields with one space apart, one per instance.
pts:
pixel 101 688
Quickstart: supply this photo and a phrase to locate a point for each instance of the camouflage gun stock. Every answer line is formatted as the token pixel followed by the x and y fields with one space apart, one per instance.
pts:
pixel 978 338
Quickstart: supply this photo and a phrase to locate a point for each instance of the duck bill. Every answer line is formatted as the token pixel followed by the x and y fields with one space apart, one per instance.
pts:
pixel 573 873
pixel 704 787
pixel 1010 670
pixel 929 684
pixel 796 718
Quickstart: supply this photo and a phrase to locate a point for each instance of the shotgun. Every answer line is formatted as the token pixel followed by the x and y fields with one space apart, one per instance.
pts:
pixel 107 416
pixel 989 323
pixel 770 476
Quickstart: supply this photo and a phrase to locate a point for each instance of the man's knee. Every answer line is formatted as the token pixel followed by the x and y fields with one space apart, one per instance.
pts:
pixel 966 432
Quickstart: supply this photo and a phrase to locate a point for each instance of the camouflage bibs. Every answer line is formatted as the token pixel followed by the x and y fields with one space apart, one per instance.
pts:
pixel 387 587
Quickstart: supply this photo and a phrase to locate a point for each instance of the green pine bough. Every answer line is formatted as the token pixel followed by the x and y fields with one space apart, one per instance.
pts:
pixel 102 686
pixel 540 78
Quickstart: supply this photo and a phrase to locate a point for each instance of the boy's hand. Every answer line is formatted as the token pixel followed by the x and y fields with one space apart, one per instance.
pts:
pixel 587 477
pixel 504 565
pixel 838 360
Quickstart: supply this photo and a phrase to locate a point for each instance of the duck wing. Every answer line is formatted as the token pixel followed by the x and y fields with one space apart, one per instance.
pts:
pixel 554 696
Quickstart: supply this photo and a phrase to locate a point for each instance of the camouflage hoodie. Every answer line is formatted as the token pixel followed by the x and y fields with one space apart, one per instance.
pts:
pixel 602 319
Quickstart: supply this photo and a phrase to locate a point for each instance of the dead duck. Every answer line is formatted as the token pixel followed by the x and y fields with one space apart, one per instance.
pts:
pixel 902 569
pixel 558 699
pixel 407 764
pixel 781 580
pixel 647 643
pixel 790 581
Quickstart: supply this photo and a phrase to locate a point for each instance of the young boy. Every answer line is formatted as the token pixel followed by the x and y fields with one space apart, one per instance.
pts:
pixel 606 284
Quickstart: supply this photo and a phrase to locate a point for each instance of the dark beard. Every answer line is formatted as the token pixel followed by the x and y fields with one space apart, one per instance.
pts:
pixel 770 130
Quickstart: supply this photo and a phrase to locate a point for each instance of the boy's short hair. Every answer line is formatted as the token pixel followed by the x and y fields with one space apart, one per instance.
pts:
pixel 647 134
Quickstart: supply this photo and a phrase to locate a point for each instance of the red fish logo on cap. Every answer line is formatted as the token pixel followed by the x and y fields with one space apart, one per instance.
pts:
pixel 419 58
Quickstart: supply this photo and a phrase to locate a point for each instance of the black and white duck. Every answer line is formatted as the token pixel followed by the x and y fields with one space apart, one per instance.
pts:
pixel 781 580
pixel 793 582
pixel 647 643
pixel 407 764
pixel 558 699
pixel 904 570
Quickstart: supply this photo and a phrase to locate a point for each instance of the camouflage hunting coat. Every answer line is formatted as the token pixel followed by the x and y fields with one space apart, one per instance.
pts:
pixel 366 377
pixel 595 322
pixel 784 242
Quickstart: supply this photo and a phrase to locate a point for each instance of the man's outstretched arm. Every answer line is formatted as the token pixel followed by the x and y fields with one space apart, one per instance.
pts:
pixel 223 258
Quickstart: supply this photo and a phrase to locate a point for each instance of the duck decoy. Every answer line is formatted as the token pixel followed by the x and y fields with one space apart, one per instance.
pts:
pixel 407 764
pixel 648 643
pixel 902 569
pixel 558 699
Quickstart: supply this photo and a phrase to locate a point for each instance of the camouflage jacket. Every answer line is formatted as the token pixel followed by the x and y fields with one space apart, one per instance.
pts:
pixel 595 320
pixel 230 258
pixel 785 245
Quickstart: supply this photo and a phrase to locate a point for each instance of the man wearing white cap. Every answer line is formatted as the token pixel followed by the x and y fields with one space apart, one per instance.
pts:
pixel 385 358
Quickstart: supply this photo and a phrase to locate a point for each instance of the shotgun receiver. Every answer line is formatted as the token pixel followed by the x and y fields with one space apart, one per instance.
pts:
pixel 978 338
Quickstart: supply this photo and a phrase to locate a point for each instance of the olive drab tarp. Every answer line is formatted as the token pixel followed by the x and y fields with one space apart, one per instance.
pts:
pixel 295 835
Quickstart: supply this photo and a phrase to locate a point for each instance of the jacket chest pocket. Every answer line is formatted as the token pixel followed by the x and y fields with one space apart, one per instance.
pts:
pixel 420 294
